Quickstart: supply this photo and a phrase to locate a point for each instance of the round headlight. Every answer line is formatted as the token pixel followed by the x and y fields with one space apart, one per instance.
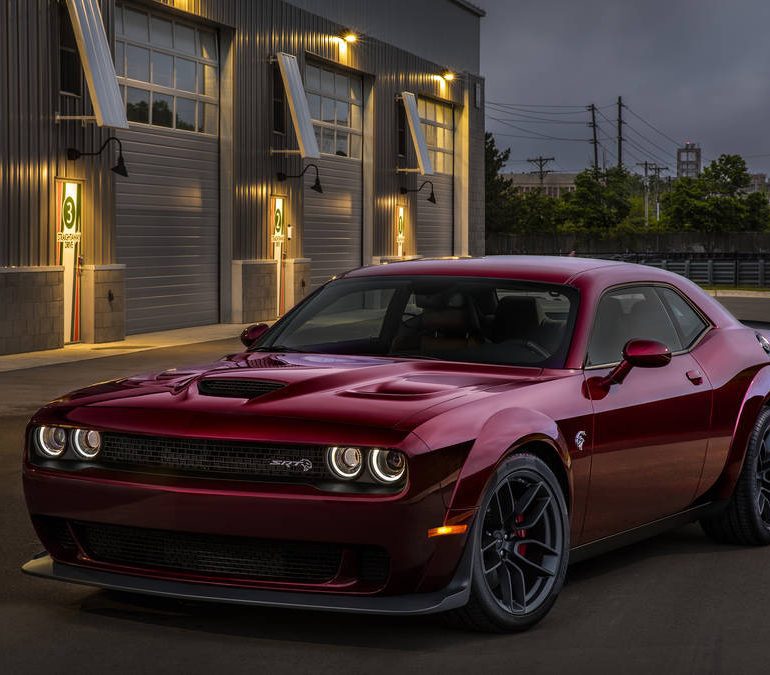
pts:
pixel 87 443
pixel 387 466
pixel 345 463
pixel 51 441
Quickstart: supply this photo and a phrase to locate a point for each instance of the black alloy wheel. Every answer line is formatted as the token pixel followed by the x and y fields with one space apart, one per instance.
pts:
pixel 521 548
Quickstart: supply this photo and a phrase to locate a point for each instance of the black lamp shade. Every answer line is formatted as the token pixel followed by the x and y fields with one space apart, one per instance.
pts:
pixel 432 198
pixel 317 186
pixel 120 167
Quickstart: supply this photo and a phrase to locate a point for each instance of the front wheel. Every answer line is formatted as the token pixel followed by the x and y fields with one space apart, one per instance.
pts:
pixel 521 549
pixel 746 520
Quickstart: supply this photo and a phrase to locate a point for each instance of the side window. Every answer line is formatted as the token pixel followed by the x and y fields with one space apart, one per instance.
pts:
pixel 687 320
pixel 70 73
pixel 625 314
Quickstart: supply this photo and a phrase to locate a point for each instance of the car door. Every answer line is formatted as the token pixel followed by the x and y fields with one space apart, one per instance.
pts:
pixel 651 431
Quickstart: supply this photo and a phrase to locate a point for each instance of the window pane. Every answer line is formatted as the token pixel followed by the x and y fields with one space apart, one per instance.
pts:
pixel 211 118
pixel 327 141
pixel 135 25
pixel 138 63
pixel 438 162
pixel 355 146
pixel 430 110
pixel 119 20
pixel 341 148
pixel 690 323
pixel 137 105
pixel 341 86
pixel 355 117
pixel 421 107
pixel 313 78
pixel 430 134
pixel 318 134
pixel 162 110
pixel 440 114
pixel 69 72
pixel 207 80
pixel 184 38
pixel 327 82
pixel 162 32
pixel 185 114
pixel 120 58
pixel 629 314
pixel 185 74
pixel 342 113
pixel 163 69
pixel 208 45
pixel 327 110
pixel 355 89
pixel 314 102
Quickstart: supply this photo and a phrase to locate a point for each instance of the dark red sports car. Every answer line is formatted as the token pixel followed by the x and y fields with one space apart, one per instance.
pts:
pixel 428 436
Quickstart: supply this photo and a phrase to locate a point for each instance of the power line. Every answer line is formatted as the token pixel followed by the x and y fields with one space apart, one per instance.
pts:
pixel 536 105
pixel 541 162
pixel 536 134
pixel 654 128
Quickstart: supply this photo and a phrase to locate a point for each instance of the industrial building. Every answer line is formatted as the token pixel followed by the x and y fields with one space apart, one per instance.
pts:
pixel 189 162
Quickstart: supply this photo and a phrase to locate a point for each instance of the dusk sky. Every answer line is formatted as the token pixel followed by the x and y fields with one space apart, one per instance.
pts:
pixel 695 70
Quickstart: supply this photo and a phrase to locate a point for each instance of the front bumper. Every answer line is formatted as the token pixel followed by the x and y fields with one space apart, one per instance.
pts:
pixel 453 596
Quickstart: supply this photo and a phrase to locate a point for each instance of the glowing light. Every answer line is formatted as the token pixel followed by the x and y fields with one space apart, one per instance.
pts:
pixel 350 37
pixel 448 76
pixel 447 529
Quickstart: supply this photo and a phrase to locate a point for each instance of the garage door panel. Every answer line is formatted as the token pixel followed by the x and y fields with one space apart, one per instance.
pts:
pixel 333 220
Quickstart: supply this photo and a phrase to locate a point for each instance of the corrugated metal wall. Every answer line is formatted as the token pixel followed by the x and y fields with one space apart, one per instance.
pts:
pixel 435 234
pixel 32 146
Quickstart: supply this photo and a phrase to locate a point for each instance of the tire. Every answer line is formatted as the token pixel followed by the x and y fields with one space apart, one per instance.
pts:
pixel 746 519
pixel 517 571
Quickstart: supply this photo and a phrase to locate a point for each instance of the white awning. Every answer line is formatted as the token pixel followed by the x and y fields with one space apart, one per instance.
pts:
pixel 298 107
pixel 418 137
pixel 95 55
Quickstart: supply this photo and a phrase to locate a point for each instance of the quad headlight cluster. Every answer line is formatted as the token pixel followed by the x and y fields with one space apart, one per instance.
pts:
pixel 348 463
pixel 53 442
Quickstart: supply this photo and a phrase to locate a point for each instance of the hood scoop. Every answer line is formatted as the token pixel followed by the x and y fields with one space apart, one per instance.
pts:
pixel 231 387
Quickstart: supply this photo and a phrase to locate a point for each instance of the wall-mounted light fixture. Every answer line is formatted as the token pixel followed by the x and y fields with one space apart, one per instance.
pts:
pixel 431 197
pixel 348 36
pixel 74 154
pixel 281 177
pixel 448 76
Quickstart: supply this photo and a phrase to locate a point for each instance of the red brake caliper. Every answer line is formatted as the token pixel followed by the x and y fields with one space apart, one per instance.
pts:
pixel 521 534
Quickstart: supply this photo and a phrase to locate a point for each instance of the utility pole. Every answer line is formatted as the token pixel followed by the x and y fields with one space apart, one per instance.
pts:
pixel 656 169
pixel 646 166
pixel 595 140
pixel 620 132
pixel 541 172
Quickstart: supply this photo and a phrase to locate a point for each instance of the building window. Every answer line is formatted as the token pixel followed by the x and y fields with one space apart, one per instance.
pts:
pixel 335 101
pixel 279 102
pixel 168 71
pixel 438 127
pixel 70 72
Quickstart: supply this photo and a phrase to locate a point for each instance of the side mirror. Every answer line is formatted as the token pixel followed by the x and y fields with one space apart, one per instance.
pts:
pixel 251 334
pixel 639 354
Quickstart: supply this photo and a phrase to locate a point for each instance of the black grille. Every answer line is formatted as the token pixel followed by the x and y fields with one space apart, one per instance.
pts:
pixel 236 557
pixel 375 564
pixel 55 533
pixel 233 388
pixel 233 459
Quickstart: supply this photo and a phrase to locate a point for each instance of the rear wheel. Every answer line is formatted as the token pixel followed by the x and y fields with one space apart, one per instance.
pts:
pixel 521 549
pixel 746 520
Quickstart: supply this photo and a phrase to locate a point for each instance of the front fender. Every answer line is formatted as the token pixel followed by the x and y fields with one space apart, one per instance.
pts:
pixel 502 434
pixel 757 395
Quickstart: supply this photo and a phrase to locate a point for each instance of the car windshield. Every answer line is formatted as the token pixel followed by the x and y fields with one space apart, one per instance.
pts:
pixel 475 320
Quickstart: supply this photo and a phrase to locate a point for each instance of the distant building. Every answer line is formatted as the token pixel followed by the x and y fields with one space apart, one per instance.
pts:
pixel 554 184
pixel 758 183
pixel 688 161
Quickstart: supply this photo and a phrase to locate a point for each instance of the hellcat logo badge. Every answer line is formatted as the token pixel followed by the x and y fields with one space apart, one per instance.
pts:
pixel 304 464
pixel 580 438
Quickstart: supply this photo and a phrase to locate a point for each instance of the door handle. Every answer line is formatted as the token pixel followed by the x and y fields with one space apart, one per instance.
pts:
pixel 695 376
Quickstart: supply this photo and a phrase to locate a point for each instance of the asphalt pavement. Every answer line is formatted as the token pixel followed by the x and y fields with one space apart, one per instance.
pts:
pixel 674 604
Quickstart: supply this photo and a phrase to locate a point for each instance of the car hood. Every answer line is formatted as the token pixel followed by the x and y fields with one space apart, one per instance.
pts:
pixel 302 390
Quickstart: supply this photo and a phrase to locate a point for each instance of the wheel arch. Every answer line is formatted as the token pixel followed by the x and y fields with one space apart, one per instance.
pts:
pixel 505 434
pixel 757 396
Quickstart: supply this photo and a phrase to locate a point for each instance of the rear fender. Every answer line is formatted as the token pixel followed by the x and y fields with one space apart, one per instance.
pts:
pixel 757 395
pixel 506 432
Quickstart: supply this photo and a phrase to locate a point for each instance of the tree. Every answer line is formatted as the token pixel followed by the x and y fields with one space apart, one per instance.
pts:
pixel 601 200
pixel 498 191
pixel 726 176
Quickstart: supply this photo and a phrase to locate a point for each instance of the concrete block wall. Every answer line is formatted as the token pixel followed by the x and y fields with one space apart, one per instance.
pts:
pixel 103 305
pixel 254 291
pixel 31 309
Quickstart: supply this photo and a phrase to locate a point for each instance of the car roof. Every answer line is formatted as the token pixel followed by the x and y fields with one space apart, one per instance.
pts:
pixel 548 269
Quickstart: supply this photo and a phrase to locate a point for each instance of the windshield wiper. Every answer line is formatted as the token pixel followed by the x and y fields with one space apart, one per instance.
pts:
pixel 422 357
pixel 279 348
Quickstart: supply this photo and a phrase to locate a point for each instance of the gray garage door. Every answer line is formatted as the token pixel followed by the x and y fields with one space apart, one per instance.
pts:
pixel 168 208
pixel 333 220
pixel 435 222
